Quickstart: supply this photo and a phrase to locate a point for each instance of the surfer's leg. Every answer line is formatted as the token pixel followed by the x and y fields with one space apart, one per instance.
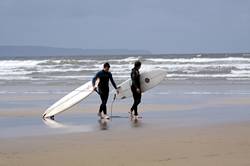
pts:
pixel 100 109
pixel 132 108
pixel 134 97
pixel 104 102
pixel 104 108
pixel 102 96
pixel 137 101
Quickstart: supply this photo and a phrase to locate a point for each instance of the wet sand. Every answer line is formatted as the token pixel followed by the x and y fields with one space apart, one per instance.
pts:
pixel 221 144
pixel 175 129
pixel 201 136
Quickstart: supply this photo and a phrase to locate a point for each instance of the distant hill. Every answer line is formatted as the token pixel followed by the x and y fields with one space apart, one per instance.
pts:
pixel 22 51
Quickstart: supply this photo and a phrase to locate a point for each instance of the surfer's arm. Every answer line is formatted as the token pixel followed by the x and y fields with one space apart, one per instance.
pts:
pixel 134 75
pixel 112 80
pixel 95 78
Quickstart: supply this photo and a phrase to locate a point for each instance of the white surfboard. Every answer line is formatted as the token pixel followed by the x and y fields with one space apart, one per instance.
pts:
pixel 148 80
pixel 70 99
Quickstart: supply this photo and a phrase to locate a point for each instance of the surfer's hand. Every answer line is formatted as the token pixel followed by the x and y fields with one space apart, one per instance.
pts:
pixel 117 90
pixel 138 90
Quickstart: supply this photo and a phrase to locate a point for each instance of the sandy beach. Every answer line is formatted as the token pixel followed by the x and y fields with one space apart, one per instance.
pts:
pixel 219 144
pixel 174 130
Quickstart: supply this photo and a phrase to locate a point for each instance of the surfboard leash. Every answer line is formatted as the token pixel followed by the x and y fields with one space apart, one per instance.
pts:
pixel 111 110
pixel 97 91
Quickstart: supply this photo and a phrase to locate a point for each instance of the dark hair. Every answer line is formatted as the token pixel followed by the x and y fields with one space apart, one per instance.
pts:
pixel 137 63
pixel 106 65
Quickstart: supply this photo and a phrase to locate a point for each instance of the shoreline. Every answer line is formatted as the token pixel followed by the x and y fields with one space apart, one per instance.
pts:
pixel 171 104
pixel 30 123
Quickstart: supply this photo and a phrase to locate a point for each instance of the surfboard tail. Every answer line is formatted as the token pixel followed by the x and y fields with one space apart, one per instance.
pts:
pixel 70 99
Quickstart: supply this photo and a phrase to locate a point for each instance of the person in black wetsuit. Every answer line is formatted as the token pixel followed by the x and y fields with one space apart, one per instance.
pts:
pixel 103 88
pixel 136 88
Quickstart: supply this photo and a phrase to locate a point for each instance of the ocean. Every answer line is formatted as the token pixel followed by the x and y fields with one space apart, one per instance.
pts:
pixel 221 66
pixel 76 70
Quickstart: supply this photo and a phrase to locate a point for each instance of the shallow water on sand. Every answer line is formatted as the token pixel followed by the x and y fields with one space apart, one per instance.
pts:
pixel 88 122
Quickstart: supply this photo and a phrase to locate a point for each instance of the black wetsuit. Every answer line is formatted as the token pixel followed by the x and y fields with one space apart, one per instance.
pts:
pixel 135 77
pixel 103 88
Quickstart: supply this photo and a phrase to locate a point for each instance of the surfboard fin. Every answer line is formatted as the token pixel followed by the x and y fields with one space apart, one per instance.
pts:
pixel 50 117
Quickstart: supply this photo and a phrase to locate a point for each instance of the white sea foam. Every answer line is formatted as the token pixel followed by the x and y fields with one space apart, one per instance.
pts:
pixel 15 78
pixel 207 75
pixel 52 70
pixel 216 93
pixel 205 93
pixel 238 79
pixel 177 68
pixel 20 63
pixel 129 59
pixel 200 60
pixel 240 72
pixel 7 92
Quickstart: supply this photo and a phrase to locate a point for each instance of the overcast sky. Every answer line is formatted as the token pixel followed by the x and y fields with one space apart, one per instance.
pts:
pixel 160 26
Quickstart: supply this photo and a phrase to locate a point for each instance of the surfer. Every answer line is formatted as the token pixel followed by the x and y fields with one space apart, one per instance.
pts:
pixel 103 88
pixel 135 88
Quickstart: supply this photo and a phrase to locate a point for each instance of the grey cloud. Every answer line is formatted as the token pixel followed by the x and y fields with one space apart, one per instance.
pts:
pixel 62 8
pixel 156 25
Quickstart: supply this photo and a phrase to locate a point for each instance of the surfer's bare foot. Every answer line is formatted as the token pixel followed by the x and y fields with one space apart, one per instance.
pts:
pixel 105 117
pixel 99 114
pixel 130 112
pixel 136 117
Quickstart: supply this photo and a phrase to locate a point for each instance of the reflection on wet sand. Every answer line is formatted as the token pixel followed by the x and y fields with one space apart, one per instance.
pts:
pixel 68 128
pixel 103 123
pixel 136 123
